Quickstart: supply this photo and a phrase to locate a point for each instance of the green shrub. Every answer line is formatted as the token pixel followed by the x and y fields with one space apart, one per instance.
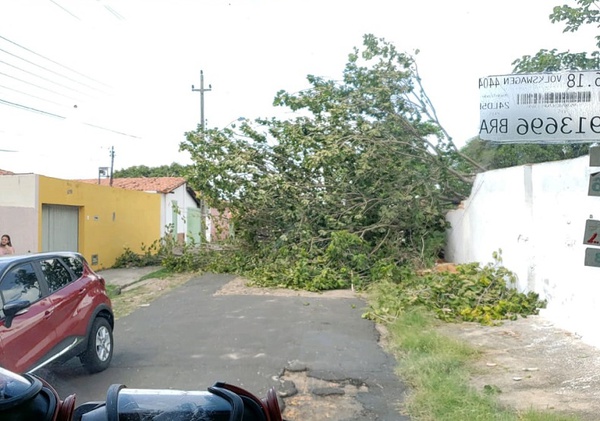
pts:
pixel 477 294
pixel 150 256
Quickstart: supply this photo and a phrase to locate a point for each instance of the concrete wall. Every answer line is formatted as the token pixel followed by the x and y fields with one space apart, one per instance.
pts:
pixel 110 219
pixel 536 215
pixel 19 212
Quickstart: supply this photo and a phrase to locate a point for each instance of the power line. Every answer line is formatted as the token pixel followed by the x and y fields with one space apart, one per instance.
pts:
pixel 114 12
pixel 28 81
pixel 30 95
pixel 50 70
pixel 110 9
pixel 55 62
pixel 38 111
pixel 41 77
pixel 31 109
pixel 37 86
pixel 111 130
pixel 65 9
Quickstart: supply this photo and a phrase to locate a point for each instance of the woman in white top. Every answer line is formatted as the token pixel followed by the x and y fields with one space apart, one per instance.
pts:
pixel 6 245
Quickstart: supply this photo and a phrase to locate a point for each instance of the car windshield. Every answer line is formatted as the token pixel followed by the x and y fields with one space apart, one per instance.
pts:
pixel 293 195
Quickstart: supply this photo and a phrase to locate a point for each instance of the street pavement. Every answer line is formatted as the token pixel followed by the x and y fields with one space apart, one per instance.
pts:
pixel 189 338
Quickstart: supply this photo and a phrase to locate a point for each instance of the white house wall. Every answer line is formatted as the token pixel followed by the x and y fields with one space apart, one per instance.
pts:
pixel 536 215
pixel 184 200
pixel 18 190
pixel 18 202
pixel 163 215
pixel 177 198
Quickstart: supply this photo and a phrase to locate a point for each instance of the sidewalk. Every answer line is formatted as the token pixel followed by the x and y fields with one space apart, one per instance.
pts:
pixel 126 276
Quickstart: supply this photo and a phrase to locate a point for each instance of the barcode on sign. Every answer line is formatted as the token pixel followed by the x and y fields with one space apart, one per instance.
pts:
pixel 553 98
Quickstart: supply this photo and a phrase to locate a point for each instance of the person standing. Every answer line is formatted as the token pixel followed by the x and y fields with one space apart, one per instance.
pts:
pixel 6 246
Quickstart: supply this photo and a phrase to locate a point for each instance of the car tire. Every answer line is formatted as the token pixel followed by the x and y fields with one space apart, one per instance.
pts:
pixel 99 350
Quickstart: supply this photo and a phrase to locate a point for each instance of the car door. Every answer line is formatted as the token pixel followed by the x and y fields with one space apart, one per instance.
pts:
pixel 29 337
pixel 68 295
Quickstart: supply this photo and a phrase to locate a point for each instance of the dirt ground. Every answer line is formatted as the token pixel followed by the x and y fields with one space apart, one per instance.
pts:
pixel 533 364
pixel 529 362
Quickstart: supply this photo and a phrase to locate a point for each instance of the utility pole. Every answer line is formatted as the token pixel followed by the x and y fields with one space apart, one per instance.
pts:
pixel 112 162
pixel 201 90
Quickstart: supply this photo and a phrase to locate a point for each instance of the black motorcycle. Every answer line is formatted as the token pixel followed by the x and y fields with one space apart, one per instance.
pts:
pixel 27 397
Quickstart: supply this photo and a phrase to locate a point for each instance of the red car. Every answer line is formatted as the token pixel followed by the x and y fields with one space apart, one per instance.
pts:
pixel 53 307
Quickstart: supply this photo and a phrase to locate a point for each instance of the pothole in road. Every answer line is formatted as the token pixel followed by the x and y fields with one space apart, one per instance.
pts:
pixel 306 396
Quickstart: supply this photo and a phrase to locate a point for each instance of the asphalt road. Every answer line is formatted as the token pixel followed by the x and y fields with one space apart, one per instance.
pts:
pixel 189 338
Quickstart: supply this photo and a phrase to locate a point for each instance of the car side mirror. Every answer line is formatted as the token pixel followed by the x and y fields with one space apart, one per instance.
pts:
pixel 12 309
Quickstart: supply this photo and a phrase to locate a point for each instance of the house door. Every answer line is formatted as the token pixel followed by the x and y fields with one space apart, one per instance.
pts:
pixel 60 228
pixel 194 226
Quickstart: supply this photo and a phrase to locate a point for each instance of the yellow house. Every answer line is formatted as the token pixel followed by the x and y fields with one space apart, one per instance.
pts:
pixel 48 214
pixel 183 215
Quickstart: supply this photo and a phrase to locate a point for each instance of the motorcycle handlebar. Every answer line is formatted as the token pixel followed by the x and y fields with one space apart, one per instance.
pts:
pixel 222 402
pixel 26 397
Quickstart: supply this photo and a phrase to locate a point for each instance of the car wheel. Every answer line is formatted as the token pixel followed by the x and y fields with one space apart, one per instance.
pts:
pixel 99 350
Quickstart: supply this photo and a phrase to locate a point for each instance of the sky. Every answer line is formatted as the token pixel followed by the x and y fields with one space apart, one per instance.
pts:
pixel 82 78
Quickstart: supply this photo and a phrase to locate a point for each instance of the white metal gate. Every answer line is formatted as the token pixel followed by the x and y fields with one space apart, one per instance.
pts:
pixel 60 228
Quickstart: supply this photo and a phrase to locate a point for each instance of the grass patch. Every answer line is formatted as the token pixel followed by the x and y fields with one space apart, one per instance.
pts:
pixel 161 273
pixel 112 290
pixel 144 293
pixel 437 369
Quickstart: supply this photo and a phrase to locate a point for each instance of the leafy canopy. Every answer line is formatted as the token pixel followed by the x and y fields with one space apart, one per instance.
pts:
pixel 354 186
pixel 173 170
pixel 586 12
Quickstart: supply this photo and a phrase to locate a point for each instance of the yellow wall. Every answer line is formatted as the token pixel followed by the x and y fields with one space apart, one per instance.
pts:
pixel 110 219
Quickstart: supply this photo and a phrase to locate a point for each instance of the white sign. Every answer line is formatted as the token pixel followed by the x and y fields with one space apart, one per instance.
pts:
pixel 540 107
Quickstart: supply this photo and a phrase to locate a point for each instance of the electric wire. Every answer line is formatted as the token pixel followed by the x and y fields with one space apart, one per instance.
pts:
pixel 50 70
pixel 42 77
pixel 46 79
pixel 40 111
pixel 30 109
pixel 107 7
pixel 114 12
pixel 111 130
pixel 65 9
pixel 55 62
pixel 81 83
pixel 37 86
pixel 31 95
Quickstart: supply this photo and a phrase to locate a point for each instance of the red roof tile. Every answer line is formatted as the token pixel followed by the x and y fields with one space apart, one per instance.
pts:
pixel 148 184
pixel 4 172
